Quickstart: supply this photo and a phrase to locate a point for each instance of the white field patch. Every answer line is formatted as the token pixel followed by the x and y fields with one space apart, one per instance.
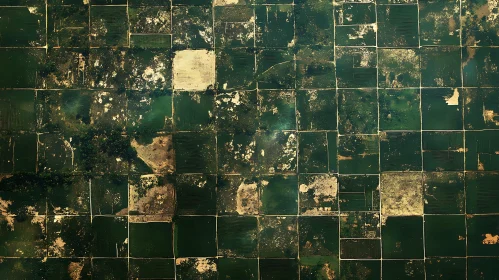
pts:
pixel 225 2
pixel 193 70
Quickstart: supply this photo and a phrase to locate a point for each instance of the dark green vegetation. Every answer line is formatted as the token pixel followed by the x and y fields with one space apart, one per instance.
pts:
pixel 249 139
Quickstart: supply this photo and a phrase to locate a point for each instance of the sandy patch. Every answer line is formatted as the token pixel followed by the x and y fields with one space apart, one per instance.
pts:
pixel 193 70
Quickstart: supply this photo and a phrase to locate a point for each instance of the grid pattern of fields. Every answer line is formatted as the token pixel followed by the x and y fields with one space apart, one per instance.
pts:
pixel 249 139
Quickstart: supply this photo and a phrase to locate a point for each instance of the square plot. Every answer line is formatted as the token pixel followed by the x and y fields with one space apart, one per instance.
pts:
pixel 277 110
pixel 54 153
pixel 315 67
pixel 279 195
pixel 60 268
pixel 403 269
pixel 235 68
pixel 439 22
pixel 103 63
pixel 154 154
pixel 444 192
pixel 481 150
pixel 318 236
pixel 479 66
pixel 108 110
pixel 318 194
pixel 442 108
pixel 190 20
pixel 277 151
pixel 236 153
pixel 194 110
pixel 26 66
pixel 357 111
pixel 25 154
pixel 278 237
pixel 274 26
pixel 110 236
pixel 400 151
pixel 360 248
pixel 483 268
pixel 99 152
pixel 105 268
pixel 360 269
pixel 195 195
pixel 109 26
pixel 109 195
pixel 482 235
pixel 401 194
pixel 440 66
pixel 354 12
pixel 237 236
pixel 17 110
pixel 356 35
pixel 356 67
pixel 314 23
pixel 481 192
pixel 195 236
pixel 148 68
pixel 237 195
pixel 193 70
pixel 149 112
pixel 358 154
pixel 22 26
pixel 398 68
pixel 316 109
pixel 399 109
pixel 68 25
pixel 151 240
pixel 403 238
pixel 481 108
pixel 65 68
pixel 479 20
pixel 23 268
pixel 69 236
pixel 398 26
pixel 234 25
pixel 67 195
pixel 319 267
pixel 443 151
pixel 275 69
pixel 23 237
pixel 151 195
pixel 365 225
pixel 312 152
pixel 195 152
pixel 237 111
pixel 359 193
pixel 450 268
pixel 24 195
pixel 445 235
pixel 237 268
pixel 150 19
pixel 152 268
pixel 187 268
pixel 279 269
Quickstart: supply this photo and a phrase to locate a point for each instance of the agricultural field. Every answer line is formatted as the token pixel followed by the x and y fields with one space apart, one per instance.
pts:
pixel 249 139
